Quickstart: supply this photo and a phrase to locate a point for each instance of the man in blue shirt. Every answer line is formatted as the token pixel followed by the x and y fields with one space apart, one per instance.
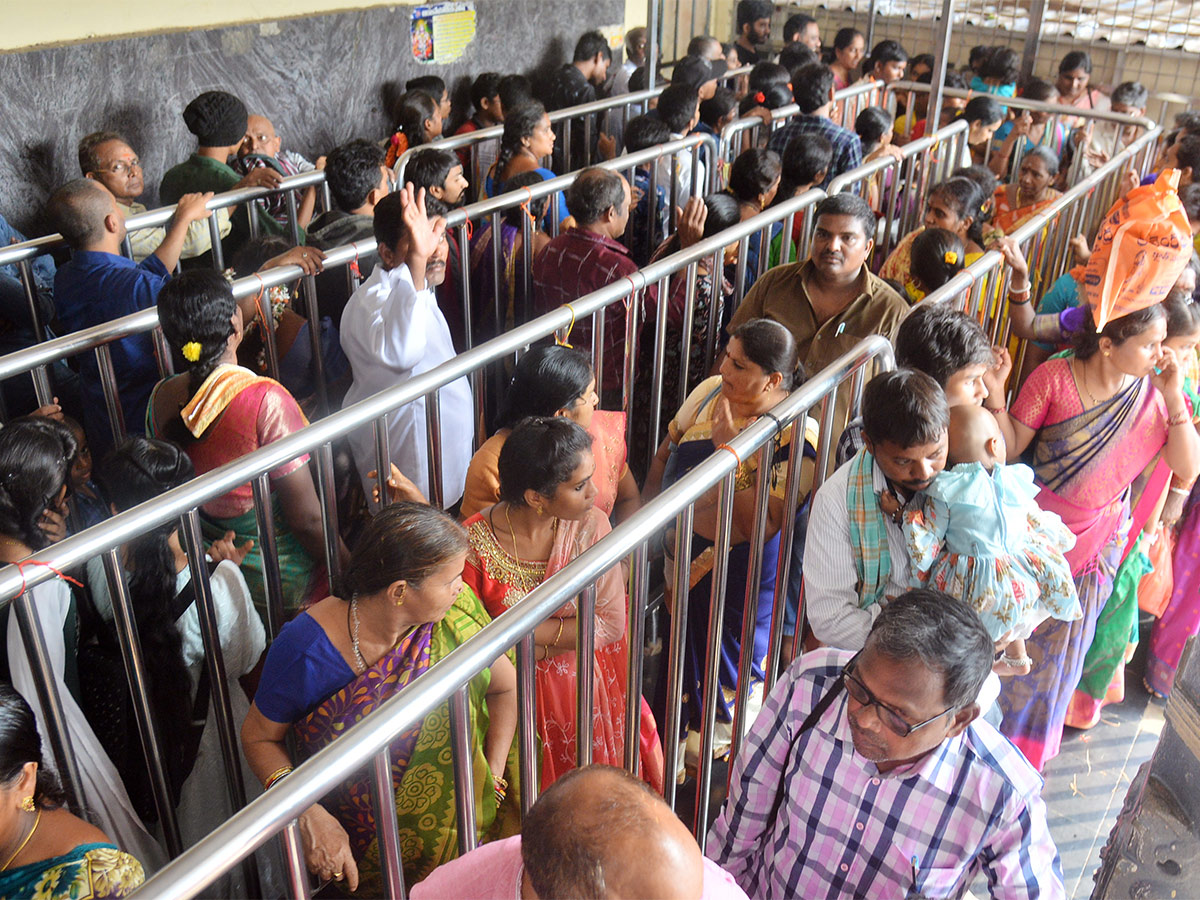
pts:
pixel 98 285
pixel 812 87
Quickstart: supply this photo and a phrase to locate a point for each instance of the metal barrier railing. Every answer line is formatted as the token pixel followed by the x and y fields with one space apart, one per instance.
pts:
pixel 102 540
pixel 368 740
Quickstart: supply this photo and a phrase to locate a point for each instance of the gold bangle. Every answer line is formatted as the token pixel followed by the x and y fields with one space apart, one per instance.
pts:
pixel 278 775
pixel 557 637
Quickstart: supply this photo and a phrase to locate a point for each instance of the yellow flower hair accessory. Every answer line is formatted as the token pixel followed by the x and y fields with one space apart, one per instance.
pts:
pixel 951 257
pixel 191 351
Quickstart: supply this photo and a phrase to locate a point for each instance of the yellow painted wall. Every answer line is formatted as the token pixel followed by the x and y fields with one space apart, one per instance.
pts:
pixel 636 12
pixel 30 23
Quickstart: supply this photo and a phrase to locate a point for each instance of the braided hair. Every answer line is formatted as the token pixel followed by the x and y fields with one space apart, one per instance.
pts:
pixel 196 311
pixel 518 125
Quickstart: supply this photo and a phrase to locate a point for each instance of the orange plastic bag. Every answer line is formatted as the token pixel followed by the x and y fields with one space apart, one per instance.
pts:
pixel 1155 588
pixel 1144 243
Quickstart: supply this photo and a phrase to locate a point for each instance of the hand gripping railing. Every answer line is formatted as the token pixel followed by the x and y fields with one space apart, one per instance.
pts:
pixel 905 183
pixel 368 741
pixel 981 288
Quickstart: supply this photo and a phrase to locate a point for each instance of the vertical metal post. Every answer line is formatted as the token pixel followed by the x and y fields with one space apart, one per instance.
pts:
pixel 585 659
pixel 433 442
pixel 1033 38
pixel 329 516
pixel 386 829
pixel 313 313
pixel 653 27
pixel 135 676
pixel 383 458
pixel 527 720
pixel 264 517
pixel 214 234
pixel 941 60
pixel 464 777
pixel 162 353
pixel 293 857
pixel 112 396
pixel 675 654
pixel 637 637
pixel 294 217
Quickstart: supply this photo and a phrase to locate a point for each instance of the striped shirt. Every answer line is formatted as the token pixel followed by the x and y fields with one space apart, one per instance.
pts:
pixel 847 148
pixel 846 830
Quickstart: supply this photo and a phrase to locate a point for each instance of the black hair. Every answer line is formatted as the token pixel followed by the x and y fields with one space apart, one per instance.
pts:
pixel 885 52
pixel 694 71
pixel 546 379
pixel 1130 93
pixel 1187 153
pixel 1036 89
pixel 432 85
pixel 954 80
pixel 765 74
pixel 645 131
pixel 772 347
pixel 804 159
pixel 1130 325
pixel 140 470
pixel 943 633
pixel 388 222
pixel 985 179
pixel 539 455
pixel 1189 196
pixel 775 96
pixel 21 743
pixel 712 110
pixel 519 123
pixel 795 26
pixel 589 44
pixel 847 204
pixel 750 11
pixel 77 210
pixel 1048 157
pixel 937 256
pixel 753 173
pixel 677 106
pixel 637 81
pixel 412 111
pixel 256 251
pixel 537 208
pixel 979 55
pixel 515 90
pixel 486 86
pixel 904 407
pixel 983 108
pixel 871 125
pixel 845 37
pixel 197 307
pixel 1003 64
pixel 922 59
pixel 939 340
pixel 402 542
pixel 592 193
pixel 430 167
pixel 811 86
pixel 1183 313
pixel 352 172
pixel 1076 59
pixel 88 160
pixel 966 198
pixel 795 55
pixel 724 212
pixel 35 462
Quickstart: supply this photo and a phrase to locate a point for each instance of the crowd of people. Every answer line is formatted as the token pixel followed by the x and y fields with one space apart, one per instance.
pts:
pixel 969 571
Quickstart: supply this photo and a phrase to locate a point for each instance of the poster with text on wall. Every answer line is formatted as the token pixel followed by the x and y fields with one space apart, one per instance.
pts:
pixel 441 32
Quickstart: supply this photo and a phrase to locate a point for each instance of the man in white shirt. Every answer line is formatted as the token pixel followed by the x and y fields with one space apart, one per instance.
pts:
pixel 392 330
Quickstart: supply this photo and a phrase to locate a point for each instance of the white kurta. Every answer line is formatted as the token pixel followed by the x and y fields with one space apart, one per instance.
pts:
pixel 391 332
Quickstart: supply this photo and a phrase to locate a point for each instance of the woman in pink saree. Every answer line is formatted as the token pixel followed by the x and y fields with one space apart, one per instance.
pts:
pixel 1095 421
pixel 546 517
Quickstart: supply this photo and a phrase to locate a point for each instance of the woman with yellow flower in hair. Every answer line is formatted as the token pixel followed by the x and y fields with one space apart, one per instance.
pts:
pixel 218 412
pixel 46 852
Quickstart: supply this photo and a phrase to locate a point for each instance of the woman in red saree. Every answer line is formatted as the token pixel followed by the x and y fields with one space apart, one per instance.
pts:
pixel 1095 420
pixel 546 517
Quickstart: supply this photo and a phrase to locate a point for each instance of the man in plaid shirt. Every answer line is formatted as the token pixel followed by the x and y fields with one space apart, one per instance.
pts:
pixel 588 257
pixel 812 88
pixel 871 775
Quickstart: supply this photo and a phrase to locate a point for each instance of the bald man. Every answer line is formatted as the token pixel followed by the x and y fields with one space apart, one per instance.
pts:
pixel 98 285
pixel 597 832
pixel 261 139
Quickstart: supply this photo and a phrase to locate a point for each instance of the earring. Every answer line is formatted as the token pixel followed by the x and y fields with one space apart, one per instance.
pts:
pixel 28 805
pixel 400 599
pixel 540 511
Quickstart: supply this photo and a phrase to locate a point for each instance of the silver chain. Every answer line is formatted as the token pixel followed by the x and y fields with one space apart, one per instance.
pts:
pixel 354 634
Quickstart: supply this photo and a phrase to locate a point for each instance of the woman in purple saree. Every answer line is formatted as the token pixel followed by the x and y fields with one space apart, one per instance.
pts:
pixel 1095 421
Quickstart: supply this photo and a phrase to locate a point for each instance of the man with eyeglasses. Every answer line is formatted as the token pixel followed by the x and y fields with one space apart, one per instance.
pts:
pixel 870 774
pixel 106 157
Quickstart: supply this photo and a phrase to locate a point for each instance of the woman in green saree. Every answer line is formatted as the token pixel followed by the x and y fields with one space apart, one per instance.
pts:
pixel 406 608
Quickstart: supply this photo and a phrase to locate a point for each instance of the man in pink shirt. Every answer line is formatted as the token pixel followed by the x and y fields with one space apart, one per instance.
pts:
pixel 596 832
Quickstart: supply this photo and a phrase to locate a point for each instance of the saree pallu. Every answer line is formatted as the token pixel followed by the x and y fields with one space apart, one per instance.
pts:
pixel 1181 619
pixel 92 871
pixel 1007 216
pixel 422 762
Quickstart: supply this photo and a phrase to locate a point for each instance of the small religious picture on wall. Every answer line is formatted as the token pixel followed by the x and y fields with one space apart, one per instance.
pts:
pixel 442 31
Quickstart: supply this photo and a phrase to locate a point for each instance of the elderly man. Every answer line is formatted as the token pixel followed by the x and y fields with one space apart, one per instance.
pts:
pixel 106 157
pixel 98 284
pixel 596 832
pixel 587 257
pixel 261 140
pixel 870 774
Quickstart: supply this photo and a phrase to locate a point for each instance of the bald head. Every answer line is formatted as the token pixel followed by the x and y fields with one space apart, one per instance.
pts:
pixel 260 138
pixel 598 832
pixel 86 214
pixel 974 436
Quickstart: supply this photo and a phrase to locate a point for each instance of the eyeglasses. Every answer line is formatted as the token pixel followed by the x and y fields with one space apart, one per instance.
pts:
pixel 893 720
pixel 123 166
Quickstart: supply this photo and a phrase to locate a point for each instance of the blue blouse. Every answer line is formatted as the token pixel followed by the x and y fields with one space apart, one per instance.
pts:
pixel 302 669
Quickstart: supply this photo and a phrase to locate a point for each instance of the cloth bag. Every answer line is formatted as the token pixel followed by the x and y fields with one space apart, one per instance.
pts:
pixel 1156 586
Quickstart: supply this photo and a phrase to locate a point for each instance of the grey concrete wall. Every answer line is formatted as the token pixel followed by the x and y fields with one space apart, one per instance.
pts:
pixel 322 80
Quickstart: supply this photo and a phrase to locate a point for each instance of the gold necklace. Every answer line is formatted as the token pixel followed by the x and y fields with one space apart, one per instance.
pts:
pixel 513 532
pixel 17 852
pixel 1083 381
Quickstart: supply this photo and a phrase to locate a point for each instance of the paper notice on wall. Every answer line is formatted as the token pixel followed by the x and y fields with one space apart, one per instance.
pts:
pixel 441 32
